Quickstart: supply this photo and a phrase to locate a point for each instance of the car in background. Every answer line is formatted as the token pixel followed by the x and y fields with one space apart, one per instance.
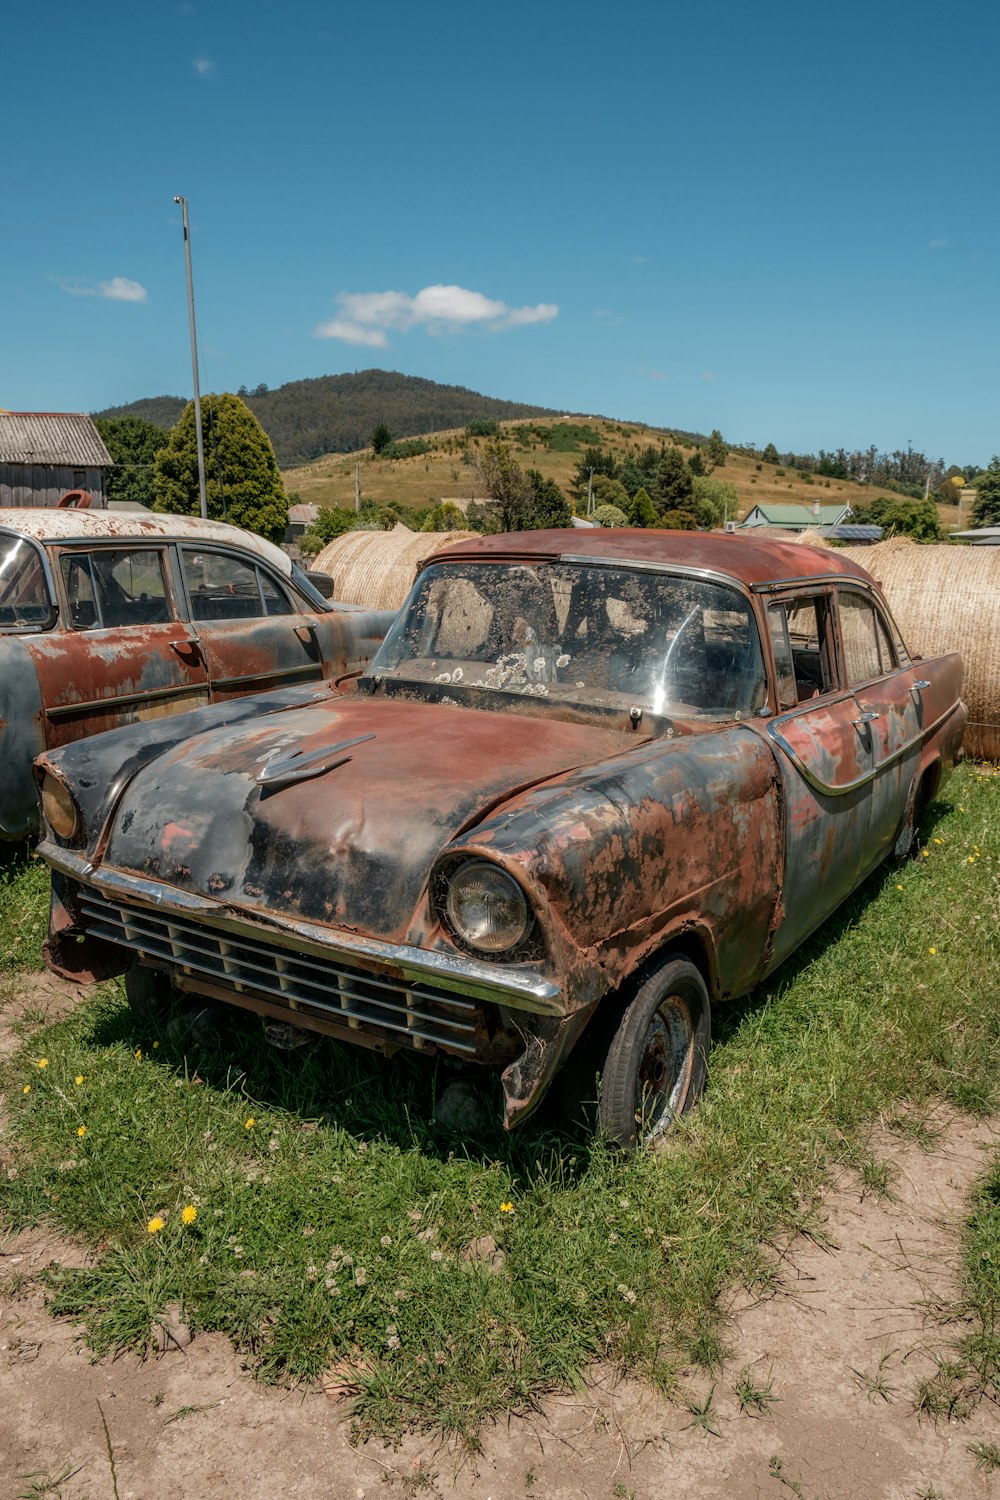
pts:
pixel 592 785
pixel 109 618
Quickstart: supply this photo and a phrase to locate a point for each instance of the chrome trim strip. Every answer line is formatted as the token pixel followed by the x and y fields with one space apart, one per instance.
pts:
pixel 520 989
pixel 813 580
pixel 273 674
pixel 61 710
pixel 851 786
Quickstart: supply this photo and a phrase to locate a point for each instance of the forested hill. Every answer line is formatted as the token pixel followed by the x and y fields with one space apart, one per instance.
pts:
pixel 337 413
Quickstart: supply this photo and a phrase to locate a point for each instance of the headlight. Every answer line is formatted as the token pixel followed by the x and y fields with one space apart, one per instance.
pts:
pixel 61 812
pixel 485 908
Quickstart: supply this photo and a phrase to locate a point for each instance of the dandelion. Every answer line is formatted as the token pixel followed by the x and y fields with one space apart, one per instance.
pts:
pixel 81 1130
pixel 78 1079
pixel 26 1089
pixel 899 887
pixel 939 841
pixel 188 1213
pixel 138 1054
pixel 249 1124
pixel 155 1224
pixel 925 854
pixel 932 951
pixel 43 1062
pixel 506 1208
pixel 155 1045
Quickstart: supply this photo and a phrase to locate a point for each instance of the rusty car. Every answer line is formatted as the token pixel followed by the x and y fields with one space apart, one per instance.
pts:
pixel 107 618
pixel 591 785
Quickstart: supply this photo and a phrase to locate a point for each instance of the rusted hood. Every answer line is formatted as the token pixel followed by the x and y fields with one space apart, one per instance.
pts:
pixel 352 845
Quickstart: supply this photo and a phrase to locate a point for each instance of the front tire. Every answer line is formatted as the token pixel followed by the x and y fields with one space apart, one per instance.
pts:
pixel 159 1006
pixel 657 1058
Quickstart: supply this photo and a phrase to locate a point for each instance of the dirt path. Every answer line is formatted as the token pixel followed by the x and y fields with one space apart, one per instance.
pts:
pixel 192 1424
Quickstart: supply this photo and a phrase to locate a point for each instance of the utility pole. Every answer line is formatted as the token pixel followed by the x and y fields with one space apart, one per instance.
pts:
pixel 590 492
pixel 194 360
pixel 357 487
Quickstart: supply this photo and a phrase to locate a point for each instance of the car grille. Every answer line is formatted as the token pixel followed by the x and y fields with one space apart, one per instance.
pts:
pixel 340 992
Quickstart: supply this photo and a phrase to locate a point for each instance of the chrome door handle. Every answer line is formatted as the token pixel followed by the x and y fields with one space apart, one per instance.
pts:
pixel 919 685
pixel 305 633
pixel 183 648
pixel 866 717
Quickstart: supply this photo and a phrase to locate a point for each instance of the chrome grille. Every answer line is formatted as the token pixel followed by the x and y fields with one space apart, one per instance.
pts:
pixel 336 990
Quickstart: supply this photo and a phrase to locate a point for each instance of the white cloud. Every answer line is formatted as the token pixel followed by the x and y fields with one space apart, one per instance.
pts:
pixel 367 317
pixel 118 289
pixel 203 66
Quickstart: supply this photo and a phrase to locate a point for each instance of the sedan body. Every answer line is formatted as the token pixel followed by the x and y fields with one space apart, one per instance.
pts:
pixel 590 785
pixel 112 618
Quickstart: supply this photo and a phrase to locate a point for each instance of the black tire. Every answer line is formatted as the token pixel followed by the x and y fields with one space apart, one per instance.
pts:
pixel 655 1066
pixel 159 1007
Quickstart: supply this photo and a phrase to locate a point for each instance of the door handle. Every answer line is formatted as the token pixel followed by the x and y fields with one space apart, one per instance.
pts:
pixel 186 648
pixel 919 685
pixel 306 633
pixel 867 717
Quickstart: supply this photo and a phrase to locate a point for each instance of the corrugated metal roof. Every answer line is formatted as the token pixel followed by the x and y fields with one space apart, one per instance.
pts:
pixel 791 514
pixel 51 437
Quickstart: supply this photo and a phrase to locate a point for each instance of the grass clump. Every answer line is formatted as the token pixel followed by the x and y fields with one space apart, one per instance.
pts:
pixel 310 1206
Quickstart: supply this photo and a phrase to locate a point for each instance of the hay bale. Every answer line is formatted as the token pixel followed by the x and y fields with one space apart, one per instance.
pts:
pixel 377 568
pixel 947 598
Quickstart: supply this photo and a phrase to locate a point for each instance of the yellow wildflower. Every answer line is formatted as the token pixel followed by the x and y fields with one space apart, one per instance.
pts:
pixel 26 1089
pixel 249 1124
pixel 81 1130
pixel 925 854
pixel 932 951
pixel 43 1062
pixel 899 887
pixel 155 1224
pixel 188 1213
pixel 138 1054
pixel 78 1079
pixel 506 1208
pixel 939 841
pixel 155 1045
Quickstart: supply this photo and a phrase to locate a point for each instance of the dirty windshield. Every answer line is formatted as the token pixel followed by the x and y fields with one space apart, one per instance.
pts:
pixel 25 601
pixel 592 635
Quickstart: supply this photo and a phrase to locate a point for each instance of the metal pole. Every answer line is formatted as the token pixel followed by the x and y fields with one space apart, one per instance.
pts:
pixel 357 487
pixel 194 361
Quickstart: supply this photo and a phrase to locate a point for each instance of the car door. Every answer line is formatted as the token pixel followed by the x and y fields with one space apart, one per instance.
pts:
pixel 826 758
pixel 889 702
pixel 123 654
pixel 252 634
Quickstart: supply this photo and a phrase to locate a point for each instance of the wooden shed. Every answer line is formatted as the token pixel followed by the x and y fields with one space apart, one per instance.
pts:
pixel 45 453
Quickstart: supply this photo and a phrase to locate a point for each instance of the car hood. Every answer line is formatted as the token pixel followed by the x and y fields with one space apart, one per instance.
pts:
pixel 352 845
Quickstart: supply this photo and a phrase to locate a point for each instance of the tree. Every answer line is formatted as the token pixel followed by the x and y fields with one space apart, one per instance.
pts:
pixel 771 455
pixel 641 512
pixel 916 518
pixel 714 501
pixel 381 438
pixel 716 449
pixel 243 481
pixel 133 444
pixel 445 517
pixel 677 520
pixel 330 523
pixel 674 482
pixel 986 511
pixel 610 492
pixel 501 476
pixel 593 459
pixel 610 515
pixel 551 506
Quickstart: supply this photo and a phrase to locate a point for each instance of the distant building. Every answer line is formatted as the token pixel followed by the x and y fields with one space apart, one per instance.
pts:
pixel 798 517
pixel 982 536
pixel 43 454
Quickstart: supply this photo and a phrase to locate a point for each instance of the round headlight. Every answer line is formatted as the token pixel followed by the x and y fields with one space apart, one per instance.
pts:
pixel 485 908
pixel 61 812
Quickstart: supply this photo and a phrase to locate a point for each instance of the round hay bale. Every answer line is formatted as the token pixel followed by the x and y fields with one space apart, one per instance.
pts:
pixel 947 598
pixel 377 568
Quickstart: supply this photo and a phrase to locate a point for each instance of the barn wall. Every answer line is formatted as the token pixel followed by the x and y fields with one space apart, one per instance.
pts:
pixel 43 484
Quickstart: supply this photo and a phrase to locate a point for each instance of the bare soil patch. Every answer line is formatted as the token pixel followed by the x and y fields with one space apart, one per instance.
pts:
pixel 863 1306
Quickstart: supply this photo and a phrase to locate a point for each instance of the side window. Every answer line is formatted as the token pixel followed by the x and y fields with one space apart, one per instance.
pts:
pixel 866 655
pixel 276 601
pixel 800 639
pixel 115 587
pixel 221 587
pixel 890 657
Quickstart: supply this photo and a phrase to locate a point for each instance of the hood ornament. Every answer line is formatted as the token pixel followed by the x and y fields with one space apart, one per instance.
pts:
pixel 302 767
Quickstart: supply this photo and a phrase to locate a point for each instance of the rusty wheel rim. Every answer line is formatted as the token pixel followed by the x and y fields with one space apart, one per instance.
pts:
pixel 664 1073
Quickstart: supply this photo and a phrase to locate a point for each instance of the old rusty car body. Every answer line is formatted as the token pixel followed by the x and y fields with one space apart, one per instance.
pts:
pixel 108 618
pixel 591 784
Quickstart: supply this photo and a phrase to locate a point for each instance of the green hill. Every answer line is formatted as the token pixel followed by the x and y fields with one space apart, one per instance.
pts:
pixel 306 419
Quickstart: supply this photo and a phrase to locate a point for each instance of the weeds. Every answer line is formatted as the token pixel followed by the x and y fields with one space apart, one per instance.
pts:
pixel 987 1456
pixel 40 1483
pixel 755 1399
pixel 702 1415
pixel 874 1382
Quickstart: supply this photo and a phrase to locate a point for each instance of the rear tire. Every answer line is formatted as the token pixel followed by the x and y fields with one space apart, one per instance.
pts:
pixel 656 1062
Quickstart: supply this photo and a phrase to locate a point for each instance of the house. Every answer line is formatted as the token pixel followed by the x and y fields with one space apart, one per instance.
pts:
pixel 45 453
pixel 799 517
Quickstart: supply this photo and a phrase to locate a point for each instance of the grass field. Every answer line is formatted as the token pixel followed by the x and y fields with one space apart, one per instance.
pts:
pixel 308 1205
pixel 442 473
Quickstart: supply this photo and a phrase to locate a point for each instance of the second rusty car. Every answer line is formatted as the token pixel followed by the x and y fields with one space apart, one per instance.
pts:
pixel 111 617
pixel 591 785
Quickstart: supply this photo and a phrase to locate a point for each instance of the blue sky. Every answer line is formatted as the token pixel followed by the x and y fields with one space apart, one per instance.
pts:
pixel 779 220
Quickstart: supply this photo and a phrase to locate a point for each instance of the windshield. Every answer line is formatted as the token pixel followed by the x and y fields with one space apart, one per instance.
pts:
pixel 603 635
pixel 25 601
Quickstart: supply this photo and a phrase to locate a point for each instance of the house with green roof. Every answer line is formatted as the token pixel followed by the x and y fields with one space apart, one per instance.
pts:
pixel 798 517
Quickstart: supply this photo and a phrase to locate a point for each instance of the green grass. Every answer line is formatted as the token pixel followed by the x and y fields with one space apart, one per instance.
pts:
pixel 332 1227
pixel 24 909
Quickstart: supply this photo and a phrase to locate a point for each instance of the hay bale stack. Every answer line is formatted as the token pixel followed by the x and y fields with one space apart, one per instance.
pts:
pixel 947 598
pixel 377 568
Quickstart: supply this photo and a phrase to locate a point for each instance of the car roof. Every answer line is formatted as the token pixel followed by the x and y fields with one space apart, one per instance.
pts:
pixel 747 559
pixel 49 524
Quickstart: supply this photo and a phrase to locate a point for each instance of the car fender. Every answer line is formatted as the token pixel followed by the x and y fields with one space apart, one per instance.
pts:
pixel 22 737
